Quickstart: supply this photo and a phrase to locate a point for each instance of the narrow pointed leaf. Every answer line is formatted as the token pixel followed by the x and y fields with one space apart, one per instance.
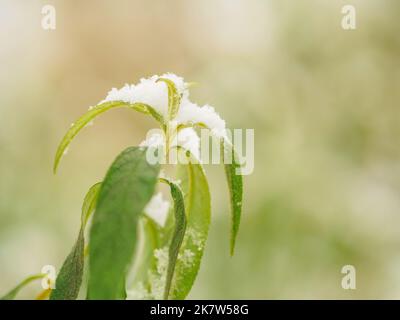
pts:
pixel 84 120
pixel 235 184
pixel 174 99
pixel 89 203
pixel 198 210
pixel 12 294
pixel 178 234
pixel 127 188
pixel 69 279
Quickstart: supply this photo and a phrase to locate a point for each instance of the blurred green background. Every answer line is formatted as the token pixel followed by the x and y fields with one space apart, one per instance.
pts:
pixel 324 103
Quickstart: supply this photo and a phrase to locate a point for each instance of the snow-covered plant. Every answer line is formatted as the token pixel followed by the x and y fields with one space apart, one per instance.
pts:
pixel 139 245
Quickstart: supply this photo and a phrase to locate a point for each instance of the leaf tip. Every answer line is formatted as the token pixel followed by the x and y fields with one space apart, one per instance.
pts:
pixel 55 166
pixel 232 247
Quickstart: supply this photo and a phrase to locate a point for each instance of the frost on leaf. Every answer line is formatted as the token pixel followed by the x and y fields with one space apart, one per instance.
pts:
pixel 138 293
pixel 157 277
pixel 148 91
pixel 186 257
pixel 195 237
pixel 152 92
pixel 191 113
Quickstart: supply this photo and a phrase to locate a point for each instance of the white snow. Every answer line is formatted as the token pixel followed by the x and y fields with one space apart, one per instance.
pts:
pixel 157 209
pixel 155 140
pixel 155 93
pixel 191 113
pixel 186 138
pixel 189 140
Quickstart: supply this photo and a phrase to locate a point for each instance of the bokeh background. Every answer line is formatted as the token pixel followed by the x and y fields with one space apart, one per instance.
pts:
pixel 324 103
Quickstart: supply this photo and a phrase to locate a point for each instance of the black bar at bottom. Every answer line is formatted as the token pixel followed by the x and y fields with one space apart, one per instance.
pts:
pixel 199 309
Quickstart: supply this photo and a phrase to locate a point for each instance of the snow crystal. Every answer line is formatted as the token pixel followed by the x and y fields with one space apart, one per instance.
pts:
pixel 157 278
pixel 180 84
pixel 186 257
pixel 196 238
pixel 155 140
pixel 139 292
pixel 191 113
pixel 189 140
pixel 149 91
pixel 162 260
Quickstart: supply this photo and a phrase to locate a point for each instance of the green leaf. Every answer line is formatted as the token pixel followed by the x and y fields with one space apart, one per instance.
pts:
pixel 12 294
pixel 151 240
pixel 198 211
pixel 69 279
pixel 235 184
pixel 127 188
pixel 178 234
pixel 150 234
pixel 174 98
pixel 90 115
pixel 89 203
